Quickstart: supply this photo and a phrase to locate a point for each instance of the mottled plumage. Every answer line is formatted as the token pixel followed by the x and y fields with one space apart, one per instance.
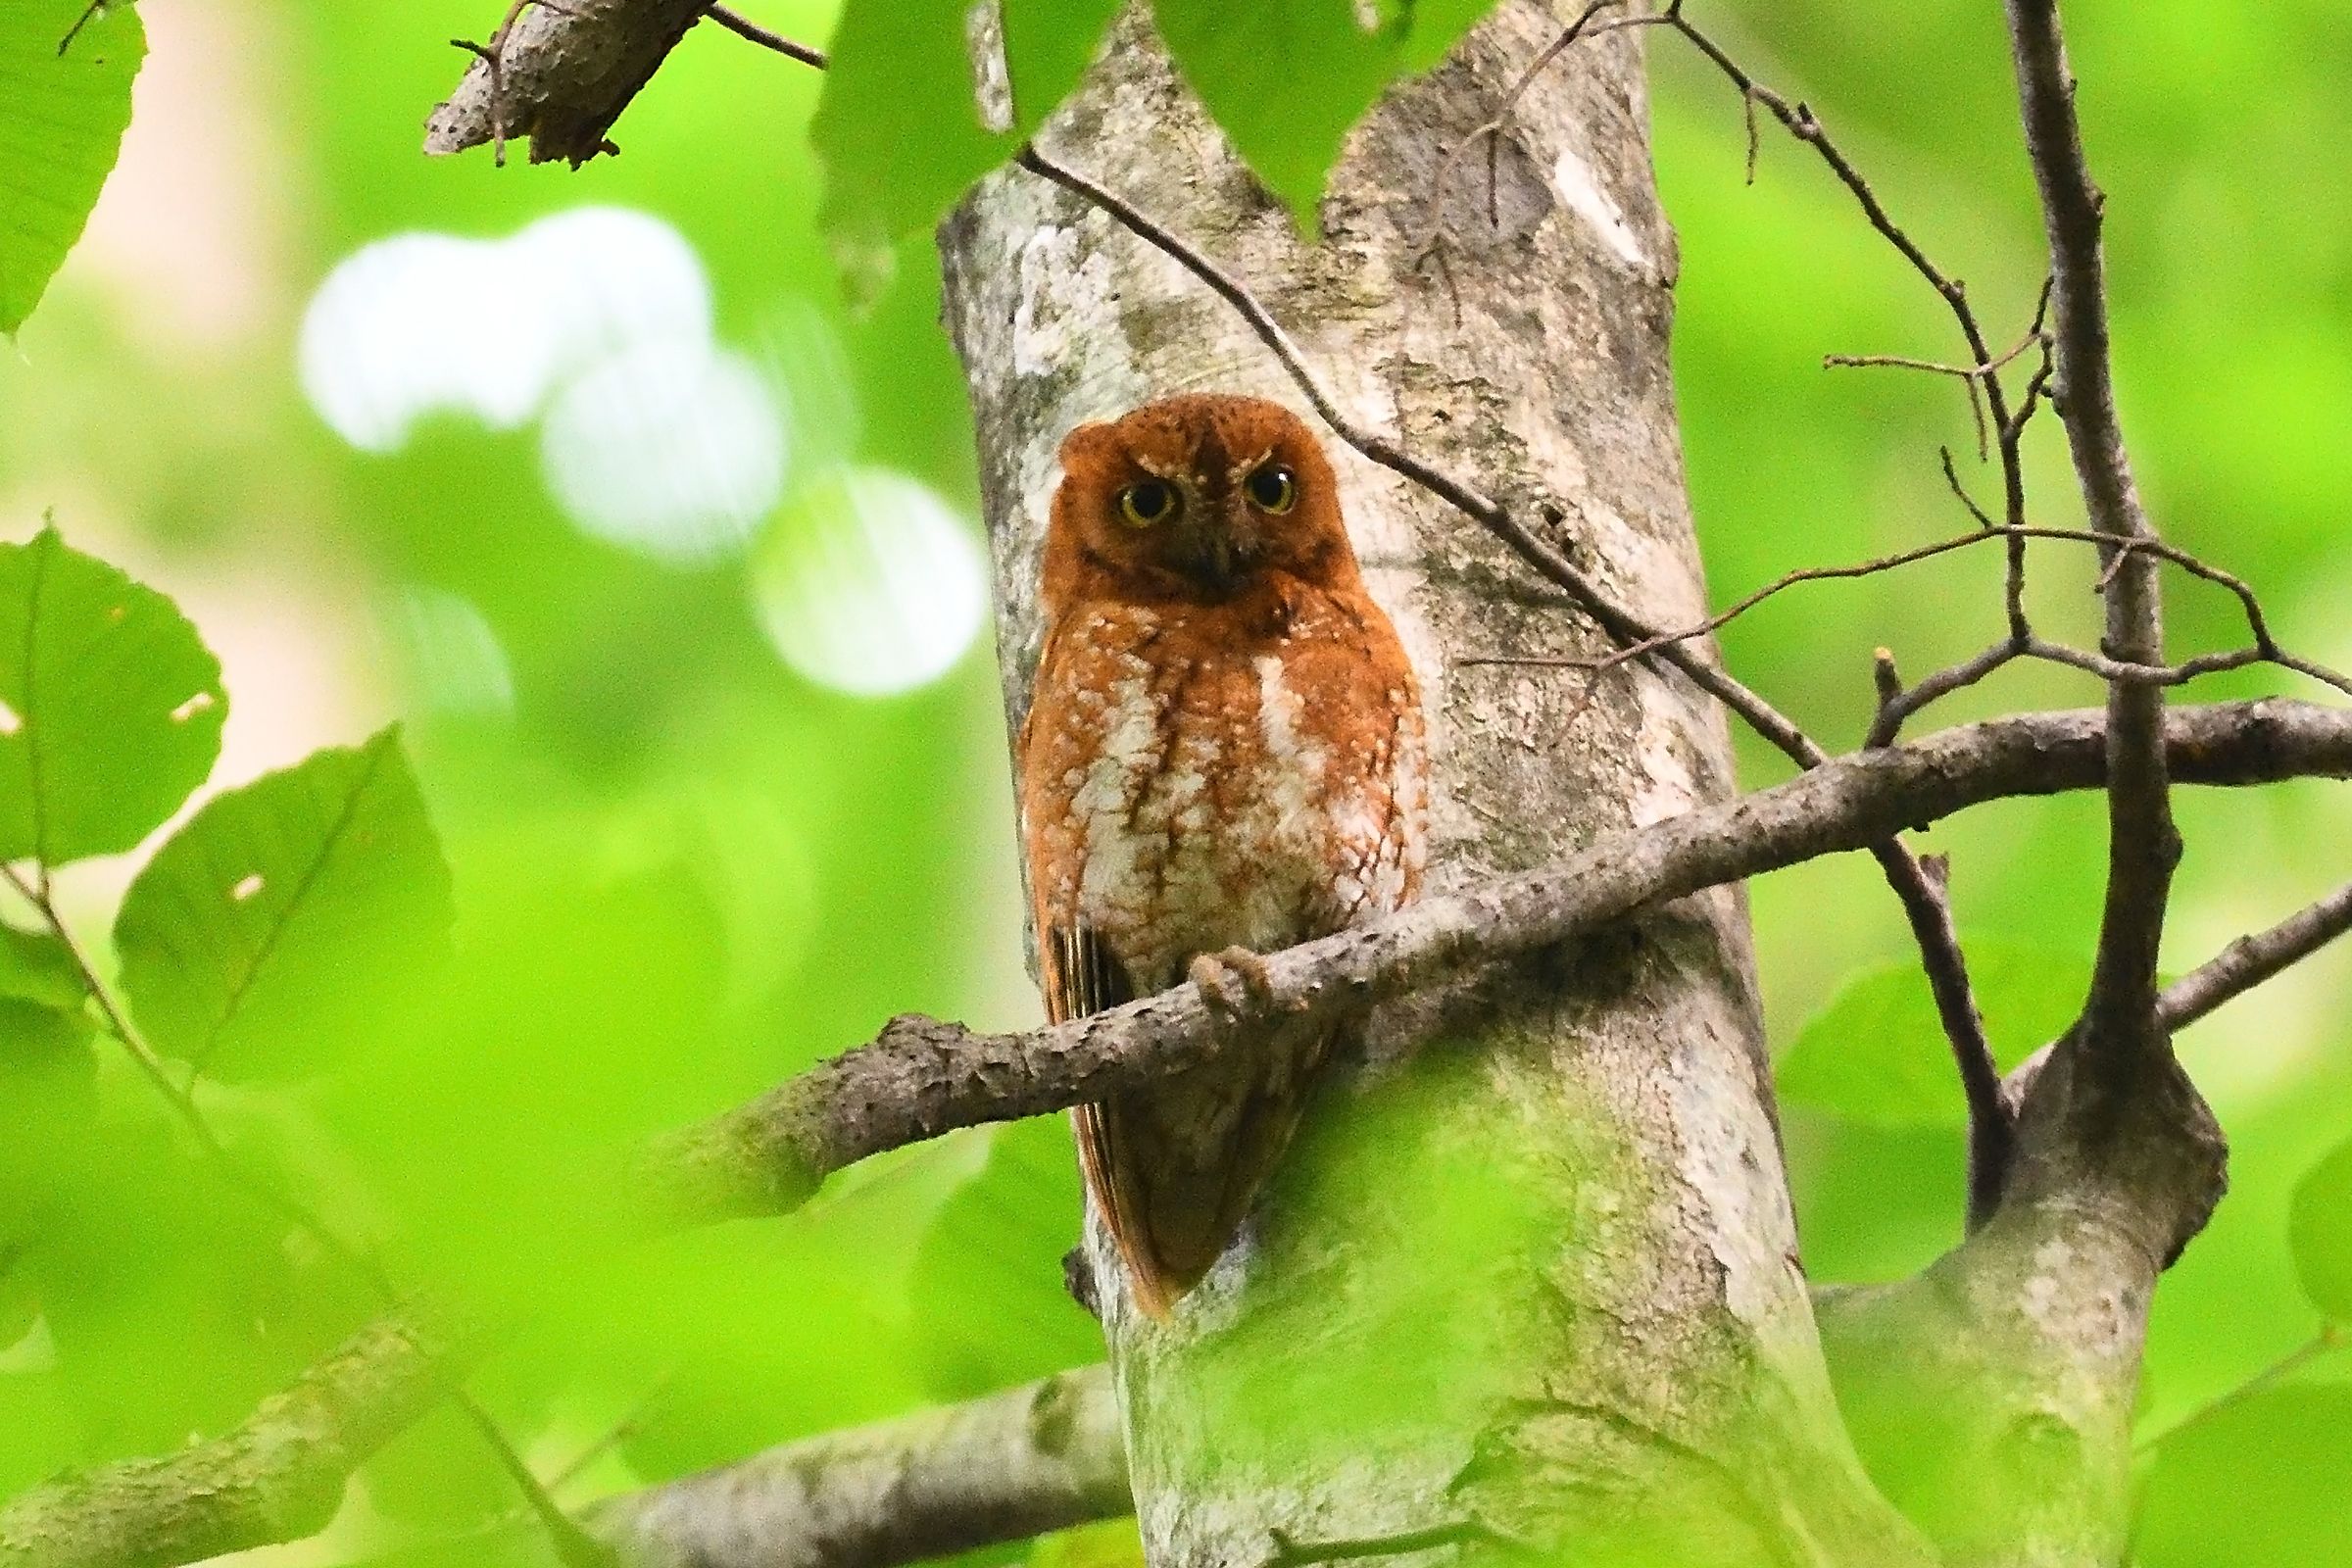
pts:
pixel 1224 748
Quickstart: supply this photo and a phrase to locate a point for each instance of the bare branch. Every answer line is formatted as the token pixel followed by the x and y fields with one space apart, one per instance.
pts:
pixel 1491 130
pixel 277 1476
pixel 2251 960
pixel 921 1077
pixel 2143 846
pixel 743 27
pixel 1001 1468
pixel 562 76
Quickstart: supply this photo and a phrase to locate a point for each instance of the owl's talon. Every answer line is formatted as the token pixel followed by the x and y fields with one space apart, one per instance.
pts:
pixel 1236 982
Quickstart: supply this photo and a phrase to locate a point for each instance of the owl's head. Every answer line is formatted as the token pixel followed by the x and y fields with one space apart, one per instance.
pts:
pixel 1198 497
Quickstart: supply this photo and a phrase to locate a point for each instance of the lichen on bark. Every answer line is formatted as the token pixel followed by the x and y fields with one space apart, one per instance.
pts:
pixel 1540 1273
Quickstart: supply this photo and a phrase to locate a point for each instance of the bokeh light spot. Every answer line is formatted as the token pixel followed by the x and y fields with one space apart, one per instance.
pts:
pixel 869 583
pixel 454 661
pixel 423 322
pixel 415 324
pixel 673 449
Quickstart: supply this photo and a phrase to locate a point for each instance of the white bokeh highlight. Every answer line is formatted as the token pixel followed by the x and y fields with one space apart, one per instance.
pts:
pixel 669 449
pixel 869 583
pixel 454 660
pixel 655 439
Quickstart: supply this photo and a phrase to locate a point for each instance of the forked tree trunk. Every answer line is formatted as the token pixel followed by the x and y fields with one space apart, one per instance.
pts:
pixel 1540 1275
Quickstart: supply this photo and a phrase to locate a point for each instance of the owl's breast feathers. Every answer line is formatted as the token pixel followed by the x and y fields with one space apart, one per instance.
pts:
pixel 1201 776
pixel 1196 776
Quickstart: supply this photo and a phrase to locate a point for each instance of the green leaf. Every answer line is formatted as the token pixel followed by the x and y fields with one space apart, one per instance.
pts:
pixel 48 1102
pixel 1877 1053
pixel 35 966
pixel 1048 46
pixel 988 1293
pixel 1284 78
pixel 2262 1480
pixel 62 118
pixel 2318 1228
pixel 899 126
pixel 1430 29
pixel 287 915
pixel 113 704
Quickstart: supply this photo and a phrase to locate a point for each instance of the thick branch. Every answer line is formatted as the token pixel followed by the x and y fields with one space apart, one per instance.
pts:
pixel 921 1077
pixel 559 74
pixel 1003 1468
pixel 278 1475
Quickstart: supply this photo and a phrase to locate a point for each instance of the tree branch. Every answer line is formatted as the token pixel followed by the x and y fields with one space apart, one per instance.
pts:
pixel 2251 960
pixel 562 75
pixel 2120 1027
pixel 1001 1468
pixel 921 1076
pixel 278 1474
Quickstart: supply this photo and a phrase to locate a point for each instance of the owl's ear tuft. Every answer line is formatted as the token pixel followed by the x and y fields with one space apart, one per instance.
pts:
pixel 1086 443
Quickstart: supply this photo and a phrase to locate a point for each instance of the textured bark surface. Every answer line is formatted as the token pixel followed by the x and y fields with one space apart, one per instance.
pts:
pixel 1041 1458
pixel 1541 1276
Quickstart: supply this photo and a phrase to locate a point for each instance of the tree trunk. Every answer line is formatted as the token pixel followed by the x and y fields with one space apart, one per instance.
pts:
pixel 1537 1279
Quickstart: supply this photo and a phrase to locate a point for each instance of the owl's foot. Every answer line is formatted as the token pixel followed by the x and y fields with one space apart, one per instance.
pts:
pixel 1235 982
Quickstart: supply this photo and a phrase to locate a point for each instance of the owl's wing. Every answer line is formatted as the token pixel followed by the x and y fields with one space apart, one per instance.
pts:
pixel 1083 976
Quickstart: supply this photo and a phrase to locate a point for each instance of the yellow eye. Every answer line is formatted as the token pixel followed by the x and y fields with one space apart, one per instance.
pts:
pixel 1148 503
pixel 1273 488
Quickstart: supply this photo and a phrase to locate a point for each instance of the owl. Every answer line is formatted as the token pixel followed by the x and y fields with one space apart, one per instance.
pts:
pixel 1223 757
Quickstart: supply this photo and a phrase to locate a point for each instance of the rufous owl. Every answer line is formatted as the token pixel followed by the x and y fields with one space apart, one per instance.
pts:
pixel 1223 757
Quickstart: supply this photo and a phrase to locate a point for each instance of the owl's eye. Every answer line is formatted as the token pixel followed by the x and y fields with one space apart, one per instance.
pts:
pixel 1148 503
pixel 1273 488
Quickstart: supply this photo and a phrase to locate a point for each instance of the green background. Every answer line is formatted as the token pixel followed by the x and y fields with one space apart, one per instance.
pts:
pixel 684 870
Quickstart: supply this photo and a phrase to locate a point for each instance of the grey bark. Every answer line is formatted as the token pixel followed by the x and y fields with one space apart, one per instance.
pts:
pixel 278 1474
pixel 1045 1456
pixel 559 74
pixel 1542 1277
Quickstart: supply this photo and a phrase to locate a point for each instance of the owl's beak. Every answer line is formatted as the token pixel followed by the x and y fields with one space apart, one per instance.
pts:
pixel 1215 547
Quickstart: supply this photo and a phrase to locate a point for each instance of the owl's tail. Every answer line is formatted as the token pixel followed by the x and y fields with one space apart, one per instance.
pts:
pixel 1174 1171
pixel 1154 1287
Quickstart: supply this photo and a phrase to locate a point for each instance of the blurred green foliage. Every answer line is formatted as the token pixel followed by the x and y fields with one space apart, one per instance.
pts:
pixel 680 866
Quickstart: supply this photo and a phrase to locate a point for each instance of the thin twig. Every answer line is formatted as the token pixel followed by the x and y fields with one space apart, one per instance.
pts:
pixel 1888 727
pixel 2255 958
pixel 574 1546
pixel 494 55
pixel 1491 130
pixel 743 27
pixel 89 13
pixel 2265 649
pixel 1972 376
